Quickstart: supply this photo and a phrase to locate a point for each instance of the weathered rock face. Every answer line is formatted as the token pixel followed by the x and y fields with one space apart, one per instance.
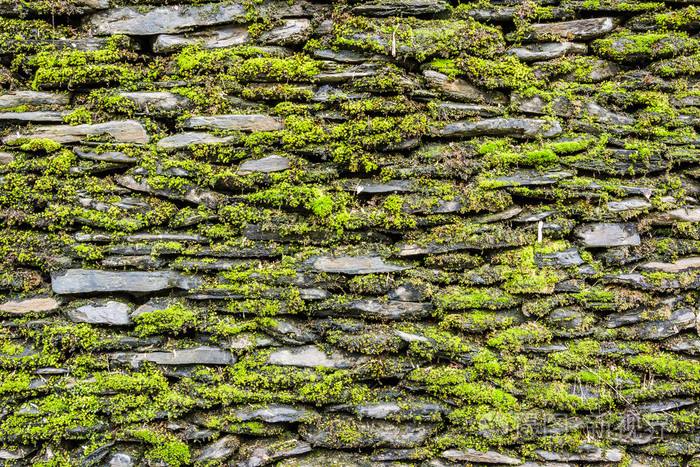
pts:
pixel 363 233
pixel 127 131
pixel 148 21
pixel 108 312
pixel 80 281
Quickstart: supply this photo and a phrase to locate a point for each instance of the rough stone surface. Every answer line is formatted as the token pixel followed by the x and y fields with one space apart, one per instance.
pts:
pixel 29 305
pixel 234 122
pixel 608 235
pixel 355 265
pixel 363 233
pixel 108 312
pixel 78 281
pixel 127 131
pixel 169 19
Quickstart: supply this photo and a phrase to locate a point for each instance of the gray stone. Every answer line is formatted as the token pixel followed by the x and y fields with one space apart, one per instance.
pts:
pixel 125 131
pixel 461 90
pixel 274 413
pixel 608 235
pixel 680 265
pixel 241 122
pixel 393 410
pixel 115 157
pixel 271 452
pixel 203 355
pixel 368 434
pixel 291 32
pixel 107 312
pixel 372 187
pixel 664 406
pixel 355 265
pixel 547 51
pixel 400 7
pixel 582 29
pixel 629 204
pixel 37 116
pixel 480 457
pixel 267 164
pixel 149 21
pixel 603 115
pixel 688 214
pixel 513 127
pixel 565 258
pixel 29 305
pixel 219 450
pixel 210 38
pixel 192 194
pixel 588 453
pixel 532 178
pixel 77 281
pixel 310 356
pixel 680 319
pixel 16 454
pixel 120 459
pixel 32 98
pixel 183 140
pixel 157 101
pixel 391 310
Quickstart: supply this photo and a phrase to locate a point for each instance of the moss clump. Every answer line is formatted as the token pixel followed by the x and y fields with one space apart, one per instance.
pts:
pixel 165 448
pixel 70 69
pixel 514 339
pixel 668 366
pixel 175 319
pixel 629 47
pixel 461 298
pixel 505 73
pixel 419 39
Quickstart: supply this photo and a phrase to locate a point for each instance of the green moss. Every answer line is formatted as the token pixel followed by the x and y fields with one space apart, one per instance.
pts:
pixel 507 72
pixel 460 298
pixel 165 448
pixel 175 319
pixel 514 339
pixel 626 46
pixel 668 366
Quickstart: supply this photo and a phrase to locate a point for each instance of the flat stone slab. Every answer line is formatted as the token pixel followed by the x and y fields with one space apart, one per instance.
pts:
pixel 680 265
pixel 157 101
pixel 400 8
pixel 267 164
pixel 547 51
pixel 210 38
pixel 367 434
pixel 77 281
pixel 241 122
pixel 310 356
pixel 38 116
pixel 148 21
pixel 182 140
pixel 108 312
pixel 514 127
pixel 203 355
pixel 290 32
pixel 479 457
pixel 125 131
pixel 34 98
pixel 608 235
pixel 274 413
pixel 580 29
pixel 355 265
pixel 29 305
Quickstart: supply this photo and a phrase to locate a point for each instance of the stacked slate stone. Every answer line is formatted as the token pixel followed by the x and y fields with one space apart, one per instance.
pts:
pixel 383 233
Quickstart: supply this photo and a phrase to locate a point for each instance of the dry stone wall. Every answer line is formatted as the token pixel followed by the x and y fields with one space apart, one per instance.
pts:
pixel 380 233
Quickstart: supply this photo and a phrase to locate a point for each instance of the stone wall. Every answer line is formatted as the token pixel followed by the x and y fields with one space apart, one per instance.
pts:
pixel 384 233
